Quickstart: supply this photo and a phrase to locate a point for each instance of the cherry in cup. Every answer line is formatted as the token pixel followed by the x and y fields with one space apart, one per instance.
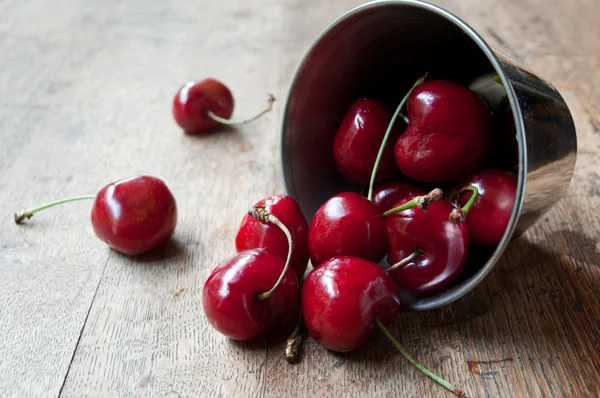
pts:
pixel 448 133
pixel 490 212
pixel 202 105
pixel 132 215
pixel 253 233
pixel 358 140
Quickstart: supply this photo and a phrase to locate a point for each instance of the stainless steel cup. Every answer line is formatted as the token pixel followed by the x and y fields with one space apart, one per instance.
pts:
pixel 379 49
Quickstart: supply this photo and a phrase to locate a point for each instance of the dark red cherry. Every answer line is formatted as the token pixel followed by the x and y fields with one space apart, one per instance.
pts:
pixel 347 225
pixel 448 134
pixel 253 233
pixel 441 245
pixel 195 99
pixel 387 195
pixel 230 294
pixel 134 215
pixel 342 297
pixel 358 139
pixel 489 216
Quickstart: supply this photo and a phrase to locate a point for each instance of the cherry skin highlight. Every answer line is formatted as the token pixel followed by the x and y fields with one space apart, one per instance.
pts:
pixel 358 139
pixel 448 135
pixel 229 297
pixel 347 225
pixel 489 216
pixel 134 215
pixel 387 195
pixel 195 98
pixel 253 233
pixel 443 246
pixel 342 297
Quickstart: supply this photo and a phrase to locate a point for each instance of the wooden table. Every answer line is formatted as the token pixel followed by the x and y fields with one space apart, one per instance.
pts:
pixel 86 94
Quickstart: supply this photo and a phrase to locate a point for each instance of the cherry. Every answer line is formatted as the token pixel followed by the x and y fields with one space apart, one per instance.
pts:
pixel 253 233
pixel 232 296
pixel 345 299
pixel 347 224
pixel 358 139
pixel 427 249
pixel 341 298
pixel 202 105
pixel 387 195
pixel 132 215
pixel 490 212
pixel 448 134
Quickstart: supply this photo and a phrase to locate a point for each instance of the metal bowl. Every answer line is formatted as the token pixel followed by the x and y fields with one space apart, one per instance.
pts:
pixel 379 49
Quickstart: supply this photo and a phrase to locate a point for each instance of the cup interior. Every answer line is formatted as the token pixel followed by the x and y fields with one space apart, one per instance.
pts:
pixel 375 51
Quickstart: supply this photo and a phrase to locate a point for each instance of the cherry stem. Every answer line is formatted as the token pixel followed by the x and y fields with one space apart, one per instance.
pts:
pixel 497 79
pixel 422 202
pixel 388 132
pixel 19 217
pixel 404 118
pixel 261 214
pixel 459 214
pixel 229 122
pixel 406 260
pixel 447 385
pixel 291 348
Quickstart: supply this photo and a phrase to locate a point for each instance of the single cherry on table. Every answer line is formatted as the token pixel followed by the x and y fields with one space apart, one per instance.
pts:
pixel 448 133
pixel 347 225
pixel 132 215
pixel 202 105
pixel 358 140
pixel 253 233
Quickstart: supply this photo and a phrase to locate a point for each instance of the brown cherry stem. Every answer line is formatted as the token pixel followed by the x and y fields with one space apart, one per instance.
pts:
pixel 459 214
pixel 446 384
pixel 261 214
pixel 291 347
pixel 26 214
pixel 229 122
pixel 406 260
pixel 422 202
pixel 387 134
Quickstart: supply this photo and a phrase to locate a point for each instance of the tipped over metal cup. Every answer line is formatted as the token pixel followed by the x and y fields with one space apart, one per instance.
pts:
pixel 378 50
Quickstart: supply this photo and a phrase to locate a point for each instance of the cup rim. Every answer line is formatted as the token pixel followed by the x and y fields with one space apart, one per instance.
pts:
pixel 445 297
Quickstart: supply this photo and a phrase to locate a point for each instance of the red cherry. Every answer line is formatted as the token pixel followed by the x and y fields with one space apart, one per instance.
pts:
pixel 438 246
pixel 347 225
pixel 230 294
pixel 193 101
pixel 133 215
pixel 489 215
pixel 341 298
pixel 358 139
pixel 253 233
pixel 448 133
pixel 387 195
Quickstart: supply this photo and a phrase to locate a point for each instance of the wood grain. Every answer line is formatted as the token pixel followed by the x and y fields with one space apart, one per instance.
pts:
pixel 87 89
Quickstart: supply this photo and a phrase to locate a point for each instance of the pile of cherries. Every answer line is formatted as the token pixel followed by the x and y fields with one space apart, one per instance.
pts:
pixel 423 233
pixel 434 191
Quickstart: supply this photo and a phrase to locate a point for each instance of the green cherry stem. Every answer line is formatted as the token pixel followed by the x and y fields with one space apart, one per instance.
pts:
pixel 405 261
pixel 447 385
pixel 387 134
pixel 229 122
pixel 422 202
pixel 261 214
pixel 26 214
pixel 459 214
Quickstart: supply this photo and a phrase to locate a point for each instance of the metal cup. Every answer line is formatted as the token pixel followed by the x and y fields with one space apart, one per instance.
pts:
pixel 379 49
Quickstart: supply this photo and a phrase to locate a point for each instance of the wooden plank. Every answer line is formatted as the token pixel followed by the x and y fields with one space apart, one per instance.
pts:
pixel 99 94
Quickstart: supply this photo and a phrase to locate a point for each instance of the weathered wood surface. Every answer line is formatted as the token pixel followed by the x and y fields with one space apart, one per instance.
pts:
pixel 86 91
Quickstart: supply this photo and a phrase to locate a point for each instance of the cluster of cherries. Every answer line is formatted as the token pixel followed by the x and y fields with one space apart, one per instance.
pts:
pixel 136 214
pixel 424 233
